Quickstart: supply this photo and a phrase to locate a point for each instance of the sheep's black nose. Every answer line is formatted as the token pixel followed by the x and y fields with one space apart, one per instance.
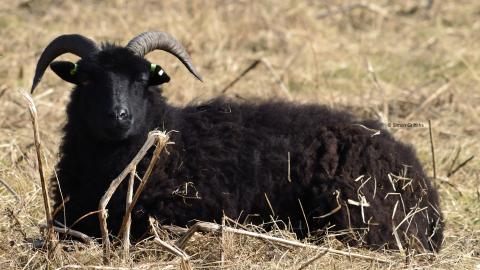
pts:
pixel 120 114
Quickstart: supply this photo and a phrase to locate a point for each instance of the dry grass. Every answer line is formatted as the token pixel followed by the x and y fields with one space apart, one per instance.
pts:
pixel 391 59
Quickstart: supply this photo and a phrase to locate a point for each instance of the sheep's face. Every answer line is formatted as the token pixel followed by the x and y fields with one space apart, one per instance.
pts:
pixel 112 91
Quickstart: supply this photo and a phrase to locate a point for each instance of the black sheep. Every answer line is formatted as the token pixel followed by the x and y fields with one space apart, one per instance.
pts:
pixel 307 165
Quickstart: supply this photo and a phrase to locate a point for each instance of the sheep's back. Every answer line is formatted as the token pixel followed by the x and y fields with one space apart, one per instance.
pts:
pixel 267 159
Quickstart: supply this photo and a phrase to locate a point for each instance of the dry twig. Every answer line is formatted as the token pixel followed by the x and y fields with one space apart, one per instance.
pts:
pixel 452 172
pixel 276 78
pixel 162 140
pixel 64 230
pixel 103 267
pixel 427 101
pixel 312 260
pixel 212 227
pixel 395 233
pixel 10 189
pixel 248 69
pixel 381 90
pixel 252 66
pixel 185 263
pixel 336 209
pixel 304 217
pixel 16 224
pixel 454 161
pixel 153 136
pixel 432 147
pixel 126 234
pixel 51 247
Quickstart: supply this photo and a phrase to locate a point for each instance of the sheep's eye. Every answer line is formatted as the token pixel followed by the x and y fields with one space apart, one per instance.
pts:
pixel 142 78
pixel 85 82
pixel 83 79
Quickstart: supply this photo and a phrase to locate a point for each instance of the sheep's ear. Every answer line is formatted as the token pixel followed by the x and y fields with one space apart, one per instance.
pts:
pixel 157 75
pixel 65 70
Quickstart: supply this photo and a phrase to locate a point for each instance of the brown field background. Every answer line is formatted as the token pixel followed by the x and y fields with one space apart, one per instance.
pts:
pixel 424 65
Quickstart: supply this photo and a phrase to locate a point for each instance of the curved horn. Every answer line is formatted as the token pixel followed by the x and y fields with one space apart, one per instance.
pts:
pixel 76 44
pixel 150 41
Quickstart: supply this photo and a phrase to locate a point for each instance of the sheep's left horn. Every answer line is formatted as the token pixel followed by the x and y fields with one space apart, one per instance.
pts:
pixel 150 41
pixel 76 44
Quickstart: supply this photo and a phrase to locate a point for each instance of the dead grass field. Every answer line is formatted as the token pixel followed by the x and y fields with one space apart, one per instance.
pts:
pixel 425 64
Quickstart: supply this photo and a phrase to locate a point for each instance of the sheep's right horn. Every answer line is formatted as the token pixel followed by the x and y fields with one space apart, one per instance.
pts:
pixel 150 41
pixel 76 44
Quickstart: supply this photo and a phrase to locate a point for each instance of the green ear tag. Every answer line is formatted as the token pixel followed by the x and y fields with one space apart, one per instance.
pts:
pixel 73 71
pixel 152 67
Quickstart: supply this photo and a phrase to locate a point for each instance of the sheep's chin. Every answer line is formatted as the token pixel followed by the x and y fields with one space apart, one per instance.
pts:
pixel 114 134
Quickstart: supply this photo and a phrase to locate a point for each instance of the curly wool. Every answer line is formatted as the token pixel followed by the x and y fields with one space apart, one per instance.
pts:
pixel 228 158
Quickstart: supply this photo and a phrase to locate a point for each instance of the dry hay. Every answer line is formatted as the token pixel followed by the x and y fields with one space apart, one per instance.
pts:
pixel 401 61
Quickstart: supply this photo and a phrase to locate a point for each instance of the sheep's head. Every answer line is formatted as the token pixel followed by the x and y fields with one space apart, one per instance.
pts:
pixel 112 82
